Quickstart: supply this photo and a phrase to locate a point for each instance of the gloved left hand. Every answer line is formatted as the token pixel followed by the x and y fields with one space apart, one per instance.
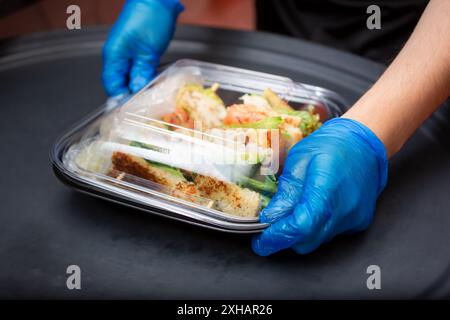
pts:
pixel 330 183
pixel 139 37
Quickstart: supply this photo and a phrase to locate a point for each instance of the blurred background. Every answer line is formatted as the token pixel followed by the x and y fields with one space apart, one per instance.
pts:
pixel 25 16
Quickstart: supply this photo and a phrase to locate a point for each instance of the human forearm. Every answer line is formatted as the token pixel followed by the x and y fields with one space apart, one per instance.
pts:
pixel 414 85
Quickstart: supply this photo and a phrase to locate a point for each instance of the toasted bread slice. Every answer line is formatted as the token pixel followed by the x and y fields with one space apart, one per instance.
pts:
pixel 228 197
pixel 139 167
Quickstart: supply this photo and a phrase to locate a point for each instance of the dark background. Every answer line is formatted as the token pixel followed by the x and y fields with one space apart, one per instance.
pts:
pixel 50 81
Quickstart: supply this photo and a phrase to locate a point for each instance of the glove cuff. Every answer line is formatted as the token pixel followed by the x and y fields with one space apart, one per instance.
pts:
pixel 377 146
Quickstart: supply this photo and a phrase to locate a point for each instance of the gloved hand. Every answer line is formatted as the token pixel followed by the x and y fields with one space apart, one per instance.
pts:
pixel 139 37
pixel 330 183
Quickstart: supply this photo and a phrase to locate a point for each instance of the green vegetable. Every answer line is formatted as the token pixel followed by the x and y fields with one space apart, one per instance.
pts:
pixel 169 169
pixel 195 87
pixel 267 123
pixel 256 158
pixel 268 186
pixel 276 102
pixel 264 201
pixel 310 121
pixel 147 146
pixel 286 134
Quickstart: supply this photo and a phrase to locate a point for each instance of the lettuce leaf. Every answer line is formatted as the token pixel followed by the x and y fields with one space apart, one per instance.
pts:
pixel 169 169
pixel 267 123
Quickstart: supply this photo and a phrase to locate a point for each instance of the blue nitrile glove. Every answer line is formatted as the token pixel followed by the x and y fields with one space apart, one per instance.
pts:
pixel 330 183
pixel 137 40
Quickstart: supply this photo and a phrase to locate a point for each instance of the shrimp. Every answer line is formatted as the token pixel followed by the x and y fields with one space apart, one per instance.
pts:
pixel 246 113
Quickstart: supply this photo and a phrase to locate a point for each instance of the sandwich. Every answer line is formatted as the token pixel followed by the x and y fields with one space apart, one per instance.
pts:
pixel 226 197
pixel 244 196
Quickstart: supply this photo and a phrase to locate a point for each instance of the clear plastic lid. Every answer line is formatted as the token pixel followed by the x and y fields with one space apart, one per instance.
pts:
pixel 208 138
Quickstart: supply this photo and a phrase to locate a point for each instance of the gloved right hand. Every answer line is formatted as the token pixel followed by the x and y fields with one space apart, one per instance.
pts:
pixel 137 40
pixel 329 186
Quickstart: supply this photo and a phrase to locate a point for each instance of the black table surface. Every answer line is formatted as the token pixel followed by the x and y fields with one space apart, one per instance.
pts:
pixel 48 81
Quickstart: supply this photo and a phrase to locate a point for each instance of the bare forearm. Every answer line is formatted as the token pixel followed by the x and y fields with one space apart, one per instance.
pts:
pixel 414 85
